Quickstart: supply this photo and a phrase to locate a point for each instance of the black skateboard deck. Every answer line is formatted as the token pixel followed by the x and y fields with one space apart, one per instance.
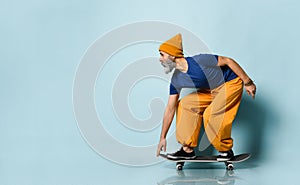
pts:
pixel 229 165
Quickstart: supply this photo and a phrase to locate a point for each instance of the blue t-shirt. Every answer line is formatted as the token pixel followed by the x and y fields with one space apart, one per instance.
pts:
pixel 203 73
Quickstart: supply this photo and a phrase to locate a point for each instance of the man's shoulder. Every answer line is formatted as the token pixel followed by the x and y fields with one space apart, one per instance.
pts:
pixel 200 55
pixel 205 58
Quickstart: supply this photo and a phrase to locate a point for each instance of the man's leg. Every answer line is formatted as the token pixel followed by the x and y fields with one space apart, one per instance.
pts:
pixel 189 119
pixel 218 116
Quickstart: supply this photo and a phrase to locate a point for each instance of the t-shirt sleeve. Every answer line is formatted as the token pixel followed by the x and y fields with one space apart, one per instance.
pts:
pixel 216 59
pixel 211 60
pixel 173 90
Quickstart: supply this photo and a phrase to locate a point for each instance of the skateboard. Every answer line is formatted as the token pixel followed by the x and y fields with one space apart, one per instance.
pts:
pixel 228 164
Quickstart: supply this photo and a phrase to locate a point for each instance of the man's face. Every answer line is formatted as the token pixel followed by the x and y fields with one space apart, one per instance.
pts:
pixel 167 62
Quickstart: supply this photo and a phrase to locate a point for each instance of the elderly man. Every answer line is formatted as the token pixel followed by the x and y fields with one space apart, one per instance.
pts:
pixel 219 82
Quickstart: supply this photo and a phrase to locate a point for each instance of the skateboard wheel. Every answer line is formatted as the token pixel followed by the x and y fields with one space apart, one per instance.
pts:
pixel 230 167
pixel 179 167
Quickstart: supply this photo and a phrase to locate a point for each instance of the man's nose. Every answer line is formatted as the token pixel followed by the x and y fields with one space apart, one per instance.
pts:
pixel 160 59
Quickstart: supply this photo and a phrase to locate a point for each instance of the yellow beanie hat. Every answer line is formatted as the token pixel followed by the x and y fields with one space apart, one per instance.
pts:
pixel 173 46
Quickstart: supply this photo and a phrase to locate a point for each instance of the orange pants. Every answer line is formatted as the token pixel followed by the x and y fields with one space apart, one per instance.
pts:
pixel 217 108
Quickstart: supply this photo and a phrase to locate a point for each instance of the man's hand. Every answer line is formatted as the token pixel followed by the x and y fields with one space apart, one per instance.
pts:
pixel 251 90
pixel 162 146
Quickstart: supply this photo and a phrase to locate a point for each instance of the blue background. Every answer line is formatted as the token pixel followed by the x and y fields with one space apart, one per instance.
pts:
pixel 42 43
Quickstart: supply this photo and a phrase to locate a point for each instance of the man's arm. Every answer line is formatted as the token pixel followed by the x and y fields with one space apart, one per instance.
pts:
pixel 167 120
pixel 237 69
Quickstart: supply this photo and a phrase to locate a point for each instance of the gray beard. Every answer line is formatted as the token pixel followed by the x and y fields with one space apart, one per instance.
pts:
pixel 169 65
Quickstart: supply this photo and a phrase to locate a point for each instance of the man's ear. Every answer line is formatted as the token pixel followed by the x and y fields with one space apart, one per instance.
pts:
pixel 171 57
